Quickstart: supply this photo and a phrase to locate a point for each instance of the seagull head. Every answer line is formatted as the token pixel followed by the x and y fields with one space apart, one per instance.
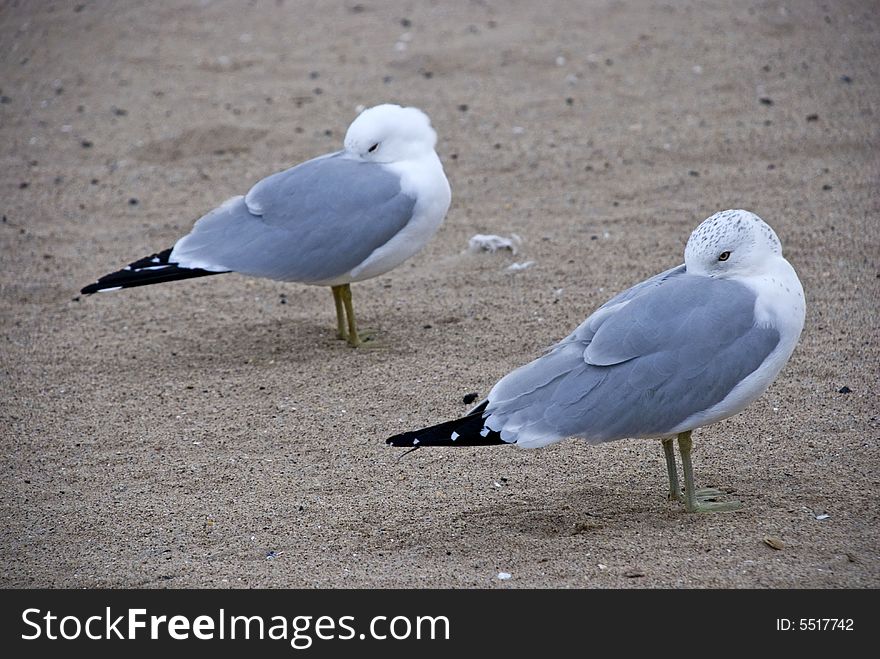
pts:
pixel 732 243
pixel 390 133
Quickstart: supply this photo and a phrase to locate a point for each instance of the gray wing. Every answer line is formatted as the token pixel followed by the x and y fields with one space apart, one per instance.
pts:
pixel 586 330
pixel 562 356
pixel 639 367
pixel 645 286
pixel 310 223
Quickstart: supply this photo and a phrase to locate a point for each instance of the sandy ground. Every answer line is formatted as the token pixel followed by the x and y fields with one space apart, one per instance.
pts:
pixel 213 433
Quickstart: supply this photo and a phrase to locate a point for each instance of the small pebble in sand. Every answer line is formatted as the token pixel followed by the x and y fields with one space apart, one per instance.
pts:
pixel 774 542
pixel 844 390
pixel 469 398
pixel 504 576
pixel 517 267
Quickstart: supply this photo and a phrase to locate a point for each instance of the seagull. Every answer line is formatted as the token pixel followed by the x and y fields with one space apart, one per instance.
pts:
pixel 340 218
pixel 684 349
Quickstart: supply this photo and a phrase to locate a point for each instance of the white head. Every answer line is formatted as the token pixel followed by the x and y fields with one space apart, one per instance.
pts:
pixel 389 133
pixel 732 242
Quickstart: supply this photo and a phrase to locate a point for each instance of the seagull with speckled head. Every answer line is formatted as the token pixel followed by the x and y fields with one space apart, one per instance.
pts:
pixel 330 221
pixel 684 349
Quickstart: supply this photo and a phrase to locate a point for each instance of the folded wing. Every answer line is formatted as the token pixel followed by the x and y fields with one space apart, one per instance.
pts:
pixel 639 366
pixel 310 223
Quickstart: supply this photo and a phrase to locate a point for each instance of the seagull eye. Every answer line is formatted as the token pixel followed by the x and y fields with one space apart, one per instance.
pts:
pixel 724 256
pixel 373 148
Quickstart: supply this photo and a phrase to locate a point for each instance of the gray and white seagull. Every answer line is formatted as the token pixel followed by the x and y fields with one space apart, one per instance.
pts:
pixel 683 349
pixel 337 219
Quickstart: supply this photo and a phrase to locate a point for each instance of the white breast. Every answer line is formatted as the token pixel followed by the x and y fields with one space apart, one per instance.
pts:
pixel 779 304
pixel 423 179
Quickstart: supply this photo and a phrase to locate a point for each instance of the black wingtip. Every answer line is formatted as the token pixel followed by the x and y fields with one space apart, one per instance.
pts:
pixel 469 430
pixel 153 269
pixel 404 439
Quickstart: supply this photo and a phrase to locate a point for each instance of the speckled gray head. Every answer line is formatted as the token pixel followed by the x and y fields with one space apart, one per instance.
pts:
pixel 731 242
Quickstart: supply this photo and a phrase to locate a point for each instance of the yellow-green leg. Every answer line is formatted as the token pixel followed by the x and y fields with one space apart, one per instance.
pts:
pixel 671 470
pixel 346 325
pixel 353 339
pixel 698 501
pixel 340 311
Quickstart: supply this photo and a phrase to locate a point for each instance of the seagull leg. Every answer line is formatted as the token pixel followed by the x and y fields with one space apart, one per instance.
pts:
pixel 699 501
pixel 354 339
pixel 345 294
pixel 340 311
pixel 671 470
